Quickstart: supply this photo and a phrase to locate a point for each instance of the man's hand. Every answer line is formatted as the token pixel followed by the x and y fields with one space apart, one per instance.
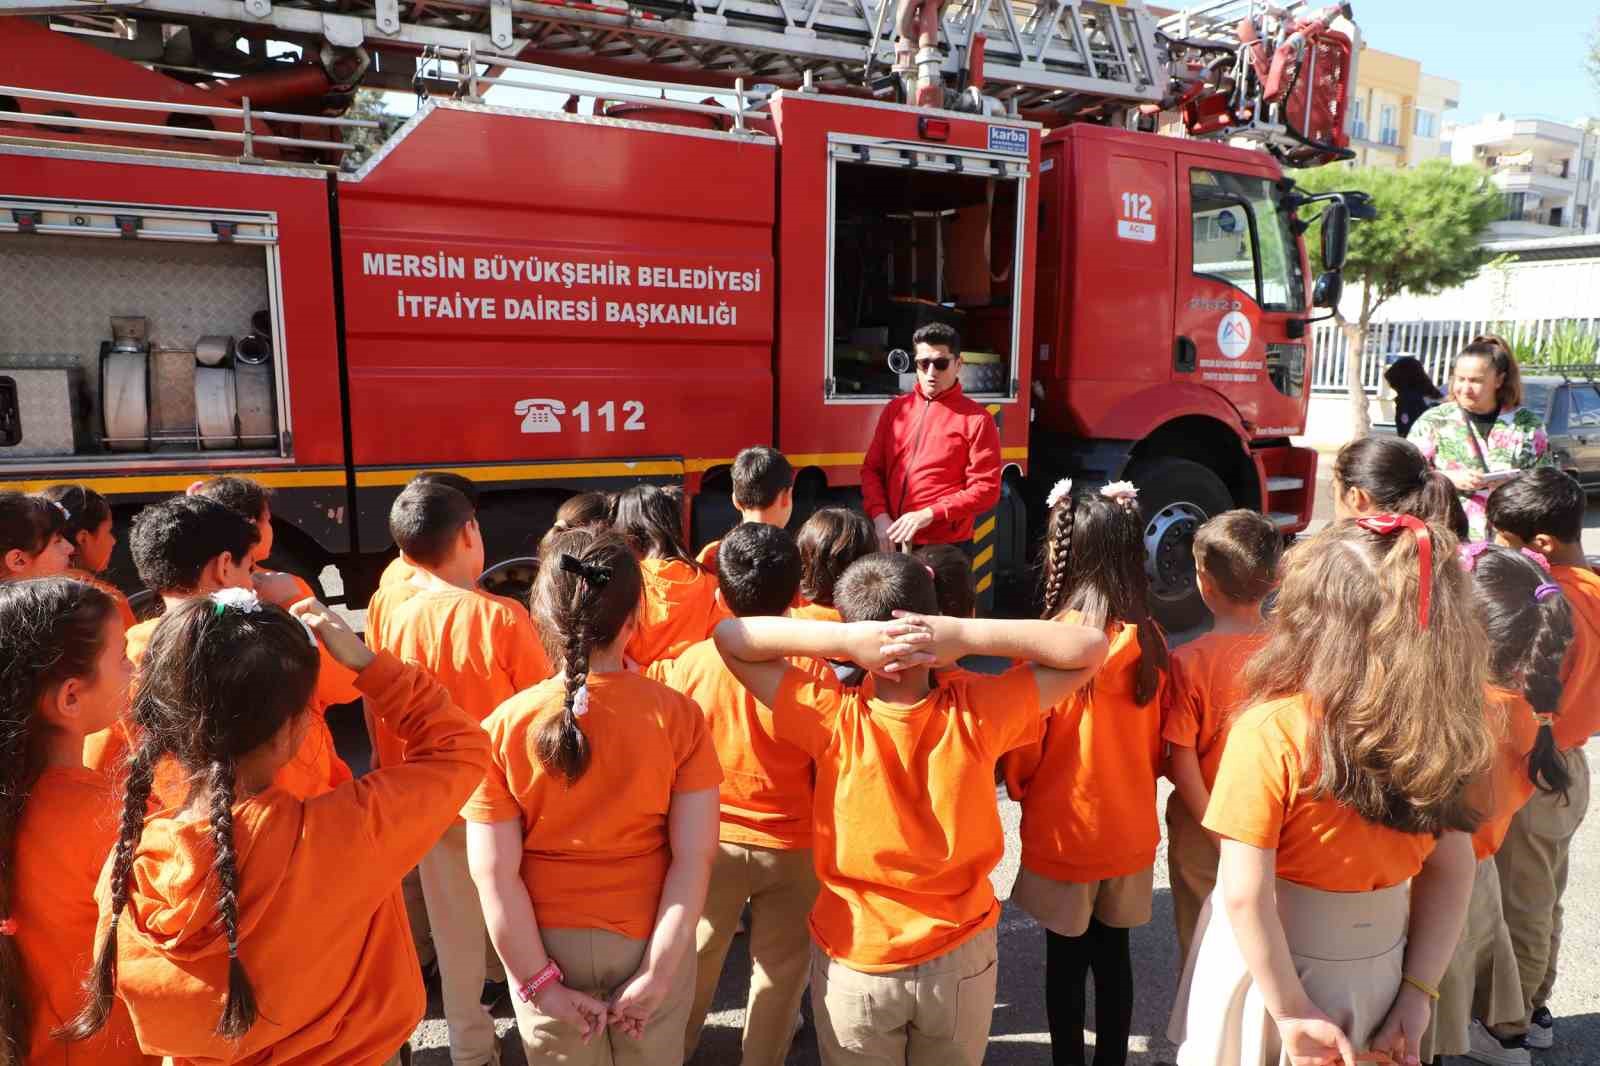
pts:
pixel 1465 480
pixel 904 529
pixel 881 526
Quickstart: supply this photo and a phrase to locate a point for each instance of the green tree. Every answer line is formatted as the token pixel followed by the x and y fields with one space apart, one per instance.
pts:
pixel 1424 240
pixel 368 104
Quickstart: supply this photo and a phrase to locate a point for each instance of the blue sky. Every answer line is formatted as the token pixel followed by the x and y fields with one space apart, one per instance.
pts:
pixel 1520 58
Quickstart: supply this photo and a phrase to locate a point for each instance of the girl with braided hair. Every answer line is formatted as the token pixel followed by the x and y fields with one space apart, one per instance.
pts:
pixel 63 674
pixel 592 835
pixel 1088 789
pixel 220 926
pixel 1530 628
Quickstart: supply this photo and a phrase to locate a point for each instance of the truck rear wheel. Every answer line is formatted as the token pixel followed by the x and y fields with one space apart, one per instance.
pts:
pixel 1175 497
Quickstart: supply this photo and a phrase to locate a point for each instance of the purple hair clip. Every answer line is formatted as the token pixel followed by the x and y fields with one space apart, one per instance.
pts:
pixel 1468 554
pixel 1545 591
pixel 1544 564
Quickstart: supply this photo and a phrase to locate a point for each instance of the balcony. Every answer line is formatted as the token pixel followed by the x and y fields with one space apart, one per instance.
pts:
pixel 1549 180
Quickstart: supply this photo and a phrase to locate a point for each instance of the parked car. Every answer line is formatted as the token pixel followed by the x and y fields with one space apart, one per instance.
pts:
pixel 1570 404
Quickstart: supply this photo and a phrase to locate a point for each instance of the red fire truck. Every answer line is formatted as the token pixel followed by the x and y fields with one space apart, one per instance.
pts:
pixel 635 288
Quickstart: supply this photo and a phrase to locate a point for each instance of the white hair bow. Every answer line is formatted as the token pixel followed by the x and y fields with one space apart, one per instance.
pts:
pixel 1123 492
pixel 1060 491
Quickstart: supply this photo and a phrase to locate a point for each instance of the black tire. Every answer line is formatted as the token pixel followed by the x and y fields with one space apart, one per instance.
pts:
pixel 1175 497
pixel 511 578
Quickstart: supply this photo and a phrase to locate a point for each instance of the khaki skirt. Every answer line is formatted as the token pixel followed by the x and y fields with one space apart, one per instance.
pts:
pixel 1347 947
pixel 1482 981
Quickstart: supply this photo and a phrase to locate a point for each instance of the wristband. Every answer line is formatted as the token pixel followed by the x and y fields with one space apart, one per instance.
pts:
pixel 1423 987
pixel 551 974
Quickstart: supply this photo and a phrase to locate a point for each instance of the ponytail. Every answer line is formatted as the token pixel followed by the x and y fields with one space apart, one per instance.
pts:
pixel 1058 556
pixel 1542 687
pixel 239 1008
pixel 1438 502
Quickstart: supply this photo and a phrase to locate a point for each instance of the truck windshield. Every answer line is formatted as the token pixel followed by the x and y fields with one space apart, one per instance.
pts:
pixel 1242 237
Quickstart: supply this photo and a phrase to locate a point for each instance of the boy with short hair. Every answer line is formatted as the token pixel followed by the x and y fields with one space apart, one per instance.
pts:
pixel 1542 510
pixel 1236 556
pixel 483 650
pixel 764 854
pixel 763 491
pixel 906 916
pixel 400 568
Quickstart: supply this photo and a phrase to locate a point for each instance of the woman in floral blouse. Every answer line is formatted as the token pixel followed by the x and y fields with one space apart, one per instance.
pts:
pixel 1484 433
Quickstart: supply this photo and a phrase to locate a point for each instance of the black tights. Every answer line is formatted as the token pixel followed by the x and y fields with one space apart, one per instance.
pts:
pixel 1067 962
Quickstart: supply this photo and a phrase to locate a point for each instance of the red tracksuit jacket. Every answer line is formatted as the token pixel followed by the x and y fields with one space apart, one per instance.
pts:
pixel 942 453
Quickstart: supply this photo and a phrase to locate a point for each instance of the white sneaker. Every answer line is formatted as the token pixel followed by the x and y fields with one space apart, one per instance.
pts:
pixel 1542 1033
pixel 1484 1046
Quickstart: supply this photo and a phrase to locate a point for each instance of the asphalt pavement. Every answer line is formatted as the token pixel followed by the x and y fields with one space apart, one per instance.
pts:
pixel 1019 1036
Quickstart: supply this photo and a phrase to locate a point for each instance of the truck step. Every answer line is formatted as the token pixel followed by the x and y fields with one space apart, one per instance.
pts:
pixel 1283 519
pixel 1285 484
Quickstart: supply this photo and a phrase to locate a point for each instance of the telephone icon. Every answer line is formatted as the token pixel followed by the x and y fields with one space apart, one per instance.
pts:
pixel 539 416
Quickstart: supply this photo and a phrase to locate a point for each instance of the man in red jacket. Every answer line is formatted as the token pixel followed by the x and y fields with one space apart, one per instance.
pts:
pixel 934 463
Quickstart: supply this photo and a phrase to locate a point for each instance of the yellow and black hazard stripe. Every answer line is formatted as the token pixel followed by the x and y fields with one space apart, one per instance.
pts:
pixel 983 561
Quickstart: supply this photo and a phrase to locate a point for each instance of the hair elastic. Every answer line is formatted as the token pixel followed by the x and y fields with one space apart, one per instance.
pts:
pixel 593 573
pixel 1123 492
pixel 1540 560
pixel 8 927
pixel 1545 591
pixel 1388 524
pixel 1470 553
pixel 1058 492
pixel 580 699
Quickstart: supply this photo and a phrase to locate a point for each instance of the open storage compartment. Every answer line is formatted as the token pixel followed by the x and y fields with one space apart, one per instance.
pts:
pixel 130 330
pixel 921 233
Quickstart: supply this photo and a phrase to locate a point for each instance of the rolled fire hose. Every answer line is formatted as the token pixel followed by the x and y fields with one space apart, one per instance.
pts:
pixel 125 400
pixel 217 407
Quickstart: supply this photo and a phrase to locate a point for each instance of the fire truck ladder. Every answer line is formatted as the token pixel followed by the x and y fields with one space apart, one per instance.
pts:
pixel 1068 56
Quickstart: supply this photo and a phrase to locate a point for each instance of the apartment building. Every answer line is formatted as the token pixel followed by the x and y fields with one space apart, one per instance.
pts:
pixel 1547 171
pixel 1397 113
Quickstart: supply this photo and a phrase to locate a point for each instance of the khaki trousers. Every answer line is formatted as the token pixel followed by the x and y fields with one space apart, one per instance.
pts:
pixel 1533 864
pixel 1192 858
pixel 598 962
pixel 460 941
pixel 933 1014
pixel 780 886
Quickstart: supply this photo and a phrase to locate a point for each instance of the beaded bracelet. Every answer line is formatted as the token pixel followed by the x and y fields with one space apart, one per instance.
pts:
pixel 551 974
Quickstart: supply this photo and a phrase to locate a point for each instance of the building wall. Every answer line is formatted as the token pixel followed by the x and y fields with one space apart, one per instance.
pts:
pixel 1387 85
pixel 1436 98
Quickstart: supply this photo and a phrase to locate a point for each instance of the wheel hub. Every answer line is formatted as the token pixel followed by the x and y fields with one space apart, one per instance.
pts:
pixel 1169 549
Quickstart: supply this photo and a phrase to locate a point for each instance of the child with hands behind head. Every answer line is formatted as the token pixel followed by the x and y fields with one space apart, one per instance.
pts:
pixel 591 837
pixel 1345 872
pixel 208 910
pixel 906 916
pixel 1088 787
pixel 1236 565
pixel 63 675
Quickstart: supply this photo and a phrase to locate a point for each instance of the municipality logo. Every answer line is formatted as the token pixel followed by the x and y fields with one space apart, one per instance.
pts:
pixel 1233 335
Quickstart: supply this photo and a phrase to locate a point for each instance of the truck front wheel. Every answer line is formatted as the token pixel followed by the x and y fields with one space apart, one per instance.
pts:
pixel 1175 497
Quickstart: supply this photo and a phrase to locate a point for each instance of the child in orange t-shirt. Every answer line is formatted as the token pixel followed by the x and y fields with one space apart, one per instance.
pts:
pixel 483 649
pixel 1088 788
pixel 830 540
pixel 593 833
pixel 31 540
pixel 61 655
pixel 680 596
pixel 1543 510
pixel 88 526
pixel 1529 625
pixel 763 491
pixel 221 927
pixel 1236 565
pixel 400 568
pixel 907 827
pixel 1345 871
pixel 764 851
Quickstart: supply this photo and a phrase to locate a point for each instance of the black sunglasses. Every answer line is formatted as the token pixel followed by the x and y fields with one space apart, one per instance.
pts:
pixel 941 364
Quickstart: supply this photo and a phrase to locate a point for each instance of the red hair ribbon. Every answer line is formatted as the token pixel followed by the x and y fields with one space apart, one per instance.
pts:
pixel 8 927
pixel 1387 524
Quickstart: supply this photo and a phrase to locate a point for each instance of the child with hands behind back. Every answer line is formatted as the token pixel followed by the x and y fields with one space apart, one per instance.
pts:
pixel 208 910
pixel 592 835
pixel 906 916
pixel 1345 873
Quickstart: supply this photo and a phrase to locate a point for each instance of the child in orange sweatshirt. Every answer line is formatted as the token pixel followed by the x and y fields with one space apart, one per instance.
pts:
pixel 220 927
pixel 907 827
pixel 763 491
pixel 65 675
pixel 483 649
pixel 592 835
pixel 829 541
pixel 680 596
pixel 1088 788
pixel 1543 510
pixel 1236 565
pixel 31 540
pixel 764 854
pixel 88 526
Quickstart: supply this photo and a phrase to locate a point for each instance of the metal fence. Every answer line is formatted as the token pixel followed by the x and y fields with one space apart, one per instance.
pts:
pixel 1536 341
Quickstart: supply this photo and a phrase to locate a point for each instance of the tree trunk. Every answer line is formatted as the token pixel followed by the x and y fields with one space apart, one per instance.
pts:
pixel 1355 335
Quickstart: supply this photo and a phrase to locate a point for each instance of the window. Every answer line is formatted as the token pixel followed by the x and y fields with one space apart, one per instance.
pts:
pixel 1586 171
pixel 1555 216
pixel 1387 133
pixel 1241 236
pixel 1427 124
pixel 1358 122
pixel 1585 407
pixel 1580 218
pixel 1516 203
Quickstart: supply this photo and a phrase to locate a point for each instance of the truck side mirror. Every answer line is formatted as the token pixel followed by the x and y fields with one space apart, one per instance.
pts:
pixel 1330 286
pixel 1335 235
